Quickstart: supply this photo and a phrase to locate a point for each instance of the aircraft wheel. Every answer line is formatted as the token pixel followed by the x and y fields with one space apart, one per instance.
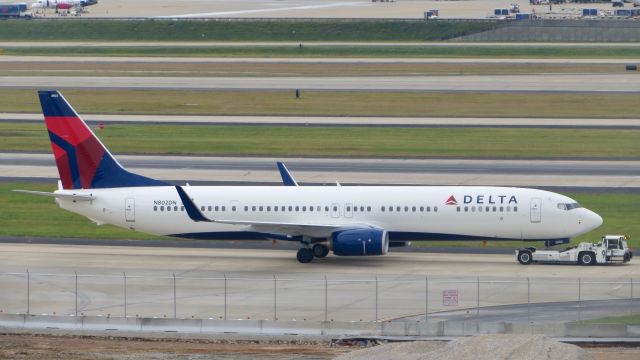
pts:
pixel 320 250
pixel 305 255
pixel 525 257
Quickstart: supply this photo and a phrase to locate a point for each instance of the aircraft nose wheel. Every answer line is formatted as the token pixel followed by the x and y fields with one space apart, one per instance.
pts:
pixel 305 255
pixel 320 250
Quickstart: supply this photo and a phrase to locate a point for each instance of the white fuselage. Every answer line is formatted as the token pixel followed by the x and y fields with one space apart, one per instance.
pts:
pixel 417 212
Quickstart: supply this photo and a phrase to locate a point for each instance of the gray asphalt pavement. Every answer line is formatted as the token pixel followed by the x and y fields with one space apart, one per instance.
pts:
pixel 578 83
pixel 594 123
pixel 536 313
pixel 559 174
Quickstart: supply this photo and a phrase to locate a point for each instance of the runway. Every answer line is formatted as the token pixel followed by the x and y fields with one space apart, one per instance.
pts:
pixel 352 286
pixel 434 122
pixel 608 83
pixel 536 173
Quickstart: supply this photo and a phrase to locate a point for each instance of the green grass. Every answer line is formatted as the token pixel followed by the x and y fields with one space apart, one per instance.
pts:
pixel 344 141
pixel 627 319
pixel 34 216
pixel 339 51
pixel 248 30
pixel 334 103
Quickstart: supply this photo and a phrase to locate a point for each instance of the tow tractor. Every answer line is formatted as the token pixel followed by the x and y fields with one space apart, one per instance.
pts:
pixel 612 248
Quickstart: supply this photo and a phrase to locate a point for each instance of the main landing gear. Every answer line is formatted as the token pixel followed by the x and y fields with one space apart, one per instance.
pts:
pixel 305 254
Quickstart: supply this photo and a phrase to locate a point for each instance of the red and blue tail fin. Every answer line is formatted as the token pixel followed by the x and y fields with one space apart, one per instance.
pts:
pixel 83 161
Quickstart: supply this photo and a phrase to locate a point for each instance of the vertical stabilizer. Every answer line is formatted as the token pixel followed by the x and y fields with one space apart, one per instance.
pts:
pixel 83 161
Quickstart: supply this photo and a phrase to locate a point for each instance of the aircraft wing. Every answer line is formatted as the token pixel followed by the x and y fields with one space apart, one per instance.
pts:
pixel 289 228
pixel 60 195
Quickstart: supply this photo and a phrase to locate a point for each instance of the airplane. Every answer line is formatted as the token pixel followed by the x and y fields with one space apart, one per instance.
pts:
pixel 345 220
pixel 62 4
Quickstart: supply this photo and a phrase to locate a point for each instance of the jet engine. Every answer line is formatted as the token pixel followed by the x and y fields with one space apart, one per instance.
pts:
pixel 360 242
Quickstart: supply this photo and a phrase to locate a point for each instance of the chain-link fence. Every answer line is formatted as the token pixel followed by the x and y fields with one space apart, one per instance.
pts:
pixel 318 298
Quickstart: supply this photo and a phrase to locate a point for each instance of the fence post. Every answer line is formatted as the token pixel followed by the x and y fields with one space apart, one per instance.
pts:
pixel 174 297
pixel 478 298
pixel 124 277
pixel 631 297
pixel 28 292
pixel 275 298
pixel 325 299
pixel 579 298
pixel 76 274
pixel 376 299
pixel 426 299
pixel 529 301
pixel 225 296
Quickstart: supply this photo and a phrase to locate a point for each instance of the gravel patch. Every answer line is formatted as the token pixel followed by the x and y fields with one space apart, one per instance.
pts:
pixel 480 347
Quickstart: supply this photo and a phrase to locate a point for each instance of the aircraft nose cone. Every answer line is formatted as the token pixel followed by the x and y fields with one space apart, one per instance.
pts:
pixel 591 219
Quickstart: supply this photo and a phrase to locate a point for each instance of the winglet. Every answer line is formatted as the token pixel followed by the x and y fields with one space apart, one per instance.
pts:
pixel 192 209
pixel 287 178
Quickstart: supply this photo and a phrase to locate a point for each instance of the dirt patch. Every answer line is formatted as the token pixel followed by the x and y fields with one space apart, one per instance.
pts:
pixel 28 347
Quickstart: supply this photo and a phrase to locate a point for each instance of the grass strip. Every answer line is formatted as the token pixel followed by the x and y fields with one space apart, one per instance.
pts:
pixel 335 103
pixel 344 141
pixel 35 216
pixel 247 69
pixel 311 51
pixel 626 319
pixel 232 30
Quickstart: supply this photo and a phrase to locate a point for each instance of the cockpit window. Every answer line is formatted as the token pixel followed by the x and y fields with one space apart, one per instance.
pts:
pixel 568 206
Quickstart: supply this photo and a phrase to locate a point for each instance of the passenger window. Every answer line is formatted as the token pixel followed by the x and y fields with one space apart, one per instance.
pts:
pixel 155 208
pixel 253 208
pixel 181 208
pixel 260 208
pixel 368 208
pixel 435 209
pixel 246 208
pixel 326 208
pixel 209 208
pixel 515 209
pixel 390 208
pixel 223 208
pixel 382 209
pixel 268 208
pixel 466 209
pixel 335 209
pixel 479 208
pixel 501 208
pixel 304 208
pixel 458 208
pixel 486 209
pixel 413 208
pixel 421 208
pixel 290 208
pixel 348 208
pixel 473 209
pixel 283 208
pixel 398 208
pixel 233 208
pixel 161 208
pixel 508 209
pixel 216 208
pixel 297 208
pixel 406 209
pixel 428 208
pixel 175 208
pixel 494 209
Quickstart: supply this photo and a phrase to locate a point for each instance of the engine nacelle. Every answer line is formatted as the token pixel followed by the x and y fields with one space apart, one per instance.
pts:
pixel 360 242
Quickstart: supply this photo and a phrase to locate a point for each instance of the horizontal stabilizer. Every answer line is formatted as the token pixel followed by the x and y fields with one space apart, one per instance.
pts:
pixel 59 195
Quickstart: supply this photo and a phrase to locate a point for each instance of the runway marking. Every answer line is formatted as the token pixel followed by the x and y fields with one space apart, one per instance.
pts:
pixel 254 11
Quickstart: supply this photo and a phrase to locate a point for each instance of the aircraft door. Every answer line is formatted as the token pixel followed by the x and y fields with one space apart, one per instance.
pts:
pixel 130 209
pixel 335 210
pixel 536 210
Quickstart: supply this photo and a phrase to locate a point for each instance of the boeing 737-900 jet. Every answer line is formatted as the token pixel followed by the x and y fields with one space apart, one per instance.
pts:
pixel 345 220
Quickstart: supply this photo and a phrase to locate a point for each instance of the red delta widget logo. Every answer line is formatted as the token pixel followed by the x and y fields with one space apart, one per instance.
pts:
pixel 483 199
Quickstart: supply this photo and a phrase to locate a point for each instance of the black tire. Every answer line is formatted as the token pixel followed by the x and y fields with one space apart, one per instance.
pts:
pixel 320 250
pixel 525 257
pixel 305 255
pixel 587 258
